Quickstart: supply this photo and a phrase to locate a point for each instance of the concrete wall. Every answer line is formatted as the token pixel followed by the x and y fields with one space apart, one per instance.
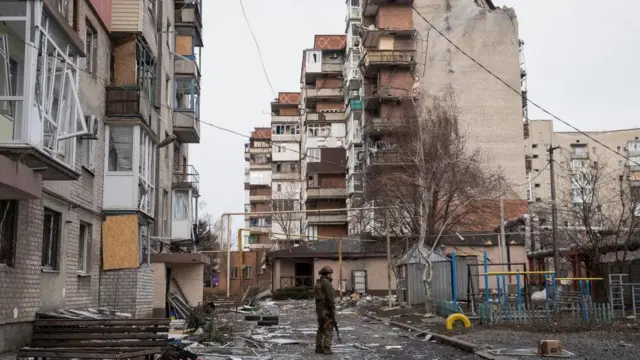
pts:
pixel 159 289
pixel 490 112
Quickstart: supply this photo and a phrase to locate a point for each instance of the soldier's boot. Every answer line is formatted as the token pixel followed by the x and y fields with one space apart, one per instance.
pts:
pixel 327 351
pixel 318 344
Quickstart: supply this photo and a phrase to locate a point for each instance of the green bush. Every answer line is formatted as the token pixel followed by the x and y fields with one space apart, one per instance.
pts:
pixel 294 293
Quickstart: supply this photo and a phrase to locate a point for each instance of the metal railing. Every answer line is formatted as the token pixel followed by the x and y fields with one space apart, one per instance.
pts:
pixel 295 281
pixel 186 175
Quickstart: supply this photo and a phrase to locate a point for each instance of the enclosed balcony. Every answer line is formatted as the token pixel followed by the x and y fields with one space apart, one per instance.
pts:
pixel 129 180
pixel 40 114
pixel 184 66
pixel 337 116
pixel 189 19
pixel 374 60
pixel 386 158
pixel 377 125
pixel 186 114
pixel 127 102
pixel 370 7
pixel 186 190
pixel 326 193
pixel 318 62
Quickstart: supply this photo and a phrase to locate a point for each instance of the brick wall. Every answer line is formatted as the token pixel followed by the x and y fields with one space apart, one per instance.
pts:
pixel 190 279
pixel 128 290
pixel 332 231
pixel 332 181
pixel 259 191
pixel 400 81
pixel 395 17
pixel 237 287
pixel 328 83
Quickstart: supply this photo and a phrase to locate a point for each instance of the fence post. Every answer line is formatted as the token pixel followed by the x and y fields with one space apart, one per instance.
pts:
pixel 454 279
pixel 486 278
pixel 518 286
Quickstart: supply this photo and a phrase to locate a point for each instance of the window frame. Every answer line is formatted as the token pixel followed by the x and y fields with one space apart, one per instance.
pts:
pixel 85 232
pixel 130 148
pixel 91 48
pixel 234 272
pixel 51 259
pixel 247 272
pixel 8 225
pixel 314 157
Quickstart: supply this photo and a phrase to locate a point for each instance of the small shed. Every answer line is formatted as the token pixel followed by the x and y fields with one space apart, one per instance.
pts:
pixel 409 269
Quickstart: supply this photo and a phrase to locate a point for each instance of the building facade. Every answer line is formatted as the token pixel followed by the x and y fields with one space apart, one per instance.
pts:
pixel 88 186
pixel 323 164
pixel 578 155
pixel 258 172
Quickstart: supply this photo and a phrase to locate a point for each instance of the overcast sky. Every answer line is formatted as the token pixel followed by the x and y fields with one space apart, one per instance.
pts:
pixel 581 59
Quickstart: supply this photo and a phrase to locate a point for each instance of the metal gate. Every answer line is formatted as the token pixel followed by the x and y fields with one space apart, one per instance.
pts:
pixel 359 281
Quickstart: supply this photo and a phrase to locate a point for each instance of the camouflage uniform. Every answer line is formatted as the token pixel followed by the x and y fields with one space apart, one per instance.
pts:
pixel 325 308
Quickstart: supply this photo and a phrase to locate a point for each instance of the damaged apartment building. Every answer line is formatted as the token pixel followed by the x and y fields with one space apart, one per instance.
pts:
pixel 98 200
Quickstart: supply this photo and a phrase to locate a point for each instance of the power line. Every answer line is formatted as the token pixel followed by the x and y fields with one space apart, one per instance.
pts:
pixel 517 91
pixel 255 40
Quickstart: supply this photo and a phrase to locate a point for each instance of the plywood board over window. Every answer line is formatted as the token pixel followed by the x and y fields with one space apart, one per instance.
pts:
pixel 120 242
pixel 125 66
pixel 184 45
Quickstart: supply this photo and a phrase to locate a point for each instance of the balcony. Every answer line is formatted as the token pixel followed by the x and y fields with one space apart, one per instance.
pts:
pixel 187 67
pixel 376 94
pixel 186 177
pixel 374 60
pixel 260 150
pixel 525 130
pixel 528 162
pixel 326 193
pixel 370 7
pixel 278 119
pixel 386 157
pixel 259 198
pixel 126 102
pixel 326 116
pixel 285 176
pixel 377 125
pixel 579 155
pixel 186 127
pixel 260 223
pixel 326 219
pixel 323 94
pixel 189 19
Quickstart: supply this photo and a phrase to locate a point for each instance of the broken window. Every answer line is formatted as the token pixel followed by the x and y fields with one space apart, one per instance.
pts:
pixel 180 205
pixel 146 171
pixel 8 231
pixel 187 94
pixel 146 71
pixel 51 239
pixel 247 272
pixel 120 148
pixel 234 272
pixel 91 48
pixel 84 248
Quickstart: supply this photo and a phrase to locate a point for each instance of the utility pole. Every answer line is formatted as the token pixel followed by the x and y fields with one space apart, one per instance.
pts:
pixel 502 237
pixel 554 212
pixel 388 232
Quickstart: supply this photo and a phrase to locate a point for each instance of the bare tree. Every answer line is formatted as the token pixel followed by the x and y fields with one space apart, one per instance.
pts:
pixel 208 233
pixel 435 183
pixel 286 198
pixel 600 220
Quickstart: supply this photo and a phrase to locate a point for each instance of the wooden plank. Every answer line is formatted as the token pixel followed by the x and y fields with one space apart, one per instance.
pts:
pixel 85 336
pixel 88 344
pixel 101 330
pixel 75 354
pixel 106 322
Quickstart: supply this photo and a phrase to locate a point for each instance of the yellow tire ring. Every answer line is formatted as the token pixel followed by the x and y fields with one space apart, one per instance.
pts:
pixel 448 324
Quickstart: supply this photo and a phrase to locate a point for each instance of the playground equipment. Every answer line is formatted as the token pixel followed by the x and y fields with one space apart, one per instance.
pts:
pixel 506 296
pixel 448 324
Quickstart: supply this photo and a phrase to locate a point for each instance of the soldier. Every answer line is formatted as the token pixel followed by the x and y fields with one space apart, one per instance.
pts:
pixel 325 309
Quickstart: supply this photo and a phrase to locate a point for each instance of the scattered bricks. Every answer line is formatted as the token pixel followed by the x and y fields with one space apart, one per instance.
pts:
pixel 550 347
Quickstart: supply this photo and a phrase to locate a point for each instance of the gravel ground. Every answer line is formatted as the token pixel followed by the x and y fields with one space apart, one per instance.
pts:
pixel 592 345
pixel 357 330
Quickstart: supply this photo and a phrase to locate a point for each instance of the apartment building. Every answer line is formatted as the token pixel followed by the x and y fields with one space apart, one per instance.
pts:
pixel 285 172
pixel 577 154
pixel 87 174
pixel 51 157
pixel 257 187
pixel 323 165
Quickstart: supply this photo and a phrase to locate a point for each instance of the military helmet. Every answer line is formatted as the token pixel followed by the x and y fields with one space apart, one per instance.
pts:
pixel 325 270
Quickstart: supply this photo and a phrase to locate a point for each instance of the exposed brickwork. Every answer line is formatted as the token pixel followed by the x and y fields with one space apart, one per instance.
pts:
pixel 400 81
pixel 332 181
pixel 328 83
pixel 261 133
pixel 330 42
pixel 395 17
pixel 289 112
pixel 289 97
pixel 129 290
pixel 251 258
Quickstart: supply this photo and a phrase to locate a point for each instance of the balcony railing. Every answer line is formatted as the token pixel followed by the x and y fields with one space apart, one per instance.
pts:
pixel 377 125
pixel 325 116
pixel 324 93
pixel 580 155
pixel 387 157
pixel 374 60
pixel 186 176
pixel 186 66
pixel 128 102
pixel 186 126
pixel 327 219
pixel 326 192
pixel 295 281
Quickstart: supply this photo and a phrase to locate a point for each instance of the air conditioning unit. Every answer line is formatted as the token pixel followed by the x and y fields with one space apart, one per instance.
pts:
pixel 93 126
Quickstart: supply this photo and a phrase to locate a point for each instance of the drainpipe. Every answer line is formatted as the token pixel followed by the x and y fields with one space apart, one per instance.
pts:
pixel 159 71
